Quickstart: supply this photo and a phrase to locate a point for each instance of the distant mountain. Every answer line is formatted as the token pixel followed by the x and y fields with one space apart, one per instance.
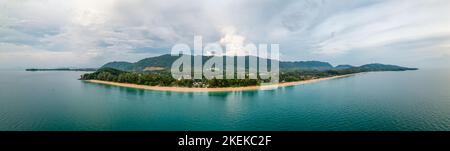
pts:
pixel 383 67
pixel 306 65
pixel 339 67
pixel 62 69
pixel 119 65
pixel 164 62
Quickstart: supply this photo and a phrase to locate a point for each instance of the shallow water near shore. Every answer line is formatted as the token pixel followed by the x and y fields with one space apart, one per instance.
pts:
pixel 409 100
pixel 222 89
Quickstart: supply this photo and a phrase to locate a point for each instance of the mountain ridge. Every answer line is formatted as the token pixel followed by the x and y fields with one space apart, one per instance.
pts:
pixel 165 62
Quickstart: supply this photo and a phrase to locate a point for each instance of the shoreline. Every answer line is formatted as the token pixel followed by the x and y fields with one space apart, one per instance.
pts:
pixel 225 89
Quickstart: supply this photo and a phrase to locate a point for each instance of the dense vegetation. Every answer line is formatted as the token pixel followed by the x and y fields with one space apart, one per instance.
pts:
pixel 163 78
pixel 155 72
pixel 165 61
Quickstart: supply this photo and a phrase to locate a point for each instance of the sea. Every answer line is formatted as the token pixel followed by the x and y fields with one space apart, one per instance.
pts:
pixel 376 101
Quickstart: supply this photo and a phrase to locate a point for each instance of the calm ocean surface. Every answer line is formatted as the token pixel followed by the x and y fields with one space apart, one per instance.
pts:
pixel 411 100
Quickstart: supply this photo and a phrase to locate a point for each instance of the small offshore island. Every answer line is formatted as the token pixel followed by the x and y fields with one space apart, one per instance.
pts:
pixel 154 74
pixel 62 69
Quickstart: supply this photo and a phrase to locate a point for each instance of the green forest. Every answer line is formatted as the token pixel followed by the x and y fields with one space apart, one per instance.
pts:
pixel 139 73
pixel 164 78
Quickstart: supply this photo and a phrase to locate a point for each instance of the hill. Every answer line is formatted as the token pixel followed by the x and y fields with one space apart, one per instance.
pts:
pixel 383 67
pixel 164 62
pixel 344 67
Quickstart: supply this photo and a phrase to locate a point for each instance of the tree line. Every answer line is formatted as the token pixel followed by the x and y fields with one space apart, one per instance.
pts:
pixel 164 78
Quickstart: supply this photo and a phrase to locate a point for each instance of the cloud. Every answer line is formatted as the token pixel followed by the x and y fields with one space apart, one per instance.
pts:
pixel 394 22
pixel 91 33
pixel 232 42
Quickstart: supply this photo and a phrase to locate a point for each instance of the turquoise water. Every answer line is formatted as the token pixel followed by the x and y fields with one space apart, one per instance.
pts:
pixel 411 100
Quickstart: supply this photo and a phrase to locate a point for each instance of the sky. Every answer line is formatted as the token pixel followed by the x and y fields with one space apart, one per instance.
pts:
pixel 89 33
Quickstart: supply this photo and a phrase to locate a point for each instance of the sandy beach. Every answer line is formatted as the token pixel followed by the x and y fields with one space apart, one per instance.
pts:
pixel 227 89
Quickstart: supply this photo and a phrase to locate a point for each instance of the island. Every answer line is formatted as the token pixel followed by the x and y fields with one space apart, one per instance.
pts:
pixel 154 74
pixel 62 69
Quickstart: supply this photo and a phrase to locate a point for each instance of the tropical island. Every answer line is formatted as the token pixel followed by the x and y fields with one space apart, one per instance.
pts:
pixel 62 69
pixel 154 74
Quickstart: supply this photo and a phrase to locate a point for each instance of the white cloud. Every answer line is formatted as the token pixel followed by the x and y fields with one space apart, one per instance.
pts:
pixel 23 56
pixel 382 24
pixel 87 32
pixel 232 42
